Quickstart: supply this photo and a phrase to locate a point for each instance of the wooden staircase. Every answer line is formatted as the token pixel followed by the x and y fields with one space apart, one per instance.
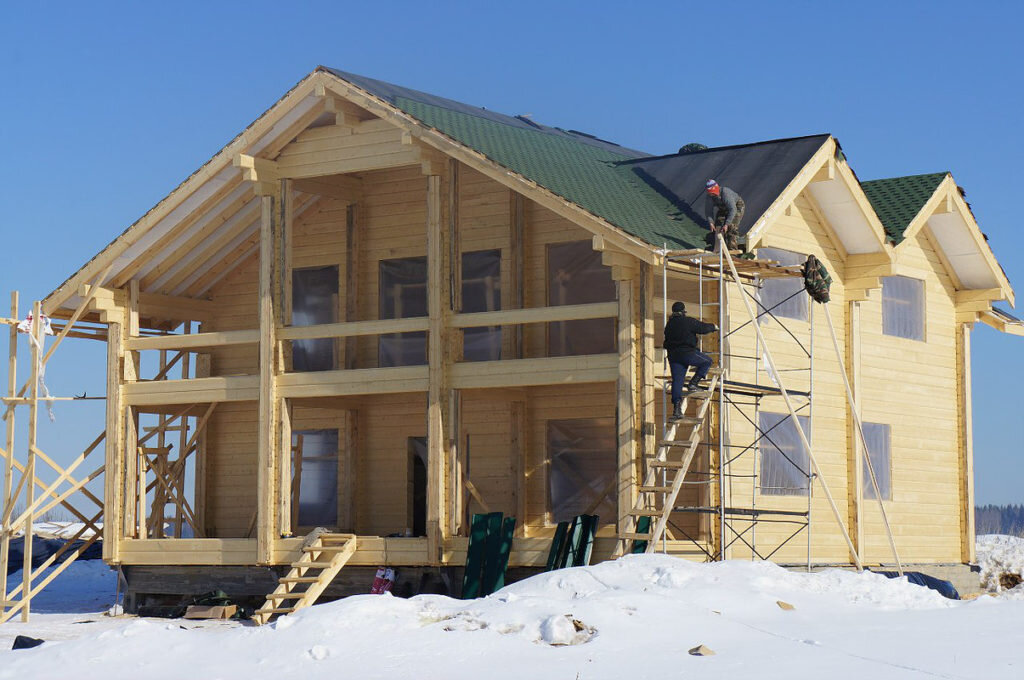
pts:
pixel 657 499
pixel 323 556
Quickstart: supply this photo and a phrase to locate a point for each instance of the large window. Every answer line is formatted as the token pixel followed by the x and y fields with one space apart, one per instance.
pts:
pixel 314 302
pixel 784 295
pixel 581 477
pixel 877 437
pixel 576 276
pixel 315 477
pixel 903 307
pixel 784 461
pixel 403 294
pixel 481 292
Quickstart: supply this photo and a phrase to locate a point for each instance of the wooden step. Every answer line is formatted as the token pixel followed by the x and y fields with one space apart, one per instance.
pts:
pixel 688 420
pixel 276 610
pixel 666 464
pixel 285 596
pixel 298 579
pixel 310 565
pixel 628 536
pixel 646 513
pixel 676 443
pixel 322 548
pixel 655 489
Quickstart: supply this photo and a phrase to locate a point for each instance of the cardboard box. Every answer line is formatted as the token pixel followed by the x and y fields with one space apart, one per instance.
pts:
pixel 197 611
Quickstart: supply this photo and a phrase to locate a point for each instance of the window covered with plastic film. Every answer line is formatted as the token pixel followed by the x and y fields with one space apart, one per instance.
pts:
pixel 581 470
pixel 315 472
pixel 877 437
pixel 481 292
pixel 576 276
pixel 314 302
pixel 903 307
pixel 783 296
pixel 785 464
pixel 403 294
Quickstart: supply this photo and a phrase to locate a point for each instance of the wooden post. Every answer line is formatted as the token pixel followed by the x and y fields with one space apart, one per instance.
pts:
pixel 517 246
pixel 268 444
pixel 629 410
pixel 517 449
pixel 347 472
pixel 285 508
pixel 7 506
pixel 30 468
pixel 439 310
pixel 966 447
pixel 352 258
pixel 647 367
pixel 856 451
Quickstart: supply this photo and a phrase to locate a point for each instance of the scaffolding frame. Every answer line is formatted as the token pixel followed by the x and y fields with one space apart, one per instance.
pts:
pixel 728 514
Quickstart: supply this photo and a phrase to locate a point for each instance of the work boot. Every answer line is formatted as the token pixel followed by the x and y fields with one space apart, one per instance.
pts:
pixel 677 410
pixel 693 385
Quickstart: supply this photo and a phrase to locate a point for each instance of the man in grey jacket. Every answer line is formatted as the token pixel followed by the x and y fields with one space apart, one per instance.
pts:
pixel 724 210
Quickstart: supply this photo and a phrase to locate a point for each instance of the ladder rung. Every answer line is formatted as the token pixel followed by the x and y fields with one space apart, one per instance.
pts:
pixel 635 537
pixel 311 565
pixel 275 610
pixel 677 442
pixel 655 489
pixel 286 596
pixel 323 548
pixel 647 513
pixel 298 579
pixel 666 464
pixel 688 420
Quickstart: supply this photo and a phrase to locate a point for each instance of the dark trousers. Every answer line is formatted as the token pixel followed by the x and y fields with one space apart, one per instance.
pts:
pixel 680 363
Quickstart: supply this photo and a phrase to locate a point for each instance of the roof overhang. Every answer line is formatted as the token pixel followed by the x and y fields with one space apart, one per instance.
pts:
pixel 946 220
pixel 1002 321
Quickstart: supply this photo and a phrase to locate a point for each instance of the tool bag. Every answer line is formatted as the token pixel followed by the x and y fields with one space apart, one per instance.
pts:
pixel 816 279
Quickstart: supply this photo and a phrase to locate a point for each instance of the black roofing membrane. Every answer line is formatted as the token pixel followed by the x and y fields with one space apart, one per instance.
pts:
pixel 757 172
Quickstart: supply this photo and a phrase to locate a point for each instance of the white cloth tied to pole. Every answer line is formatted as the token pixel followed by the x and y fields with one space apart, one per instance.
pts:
pixel 26 327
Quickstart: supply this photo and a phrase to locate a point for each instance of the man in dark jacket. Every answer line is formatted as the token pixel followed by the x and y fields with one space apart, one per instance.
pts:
pixel 724 210
pixel 681 333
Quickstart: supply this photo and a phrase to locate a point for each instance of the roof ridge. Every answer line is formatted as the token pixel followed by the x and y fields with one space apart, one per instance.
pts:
pixel 731 147
pixel 915 176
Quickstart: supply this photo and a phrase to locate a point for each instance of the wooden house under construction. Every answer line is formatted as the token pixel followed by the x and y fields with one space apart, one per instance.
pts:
pixel 379 311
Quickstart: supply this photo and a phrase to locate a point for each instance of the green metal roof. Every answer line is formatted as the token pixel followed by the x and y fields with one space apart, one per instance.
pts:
pixel 898 200
pixel 581 172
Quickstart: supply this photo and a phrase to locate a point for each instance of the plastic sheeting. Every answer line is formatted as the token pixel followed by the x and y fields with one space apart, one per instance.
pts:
pixel 403 294
pixel 481 292
pixel 576 276
pixel 314 301
pixel 903 307
pixel 581 473
pixel 784 460
pixel 775 290
pixel 877 437
pixel 318 487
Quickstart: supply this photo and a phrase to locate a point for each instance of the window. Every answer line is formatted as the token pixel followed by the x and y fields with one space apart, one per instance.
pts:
pixel 403 294
pixel 903 307
pixel 575 277
pixel 314 302
pixel 481 292
pixel 784 461
pixel 315 477
pixel 581 476
pixel 783 296
pixel 877 438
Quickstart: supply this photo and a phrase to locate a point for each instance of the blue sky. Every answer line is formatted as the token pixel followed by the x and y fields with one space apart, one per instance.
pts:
pixel 106 107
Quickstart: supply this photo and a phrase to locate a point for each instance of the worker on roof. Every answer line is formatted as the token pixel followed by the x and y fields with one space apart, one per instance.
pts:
pixel 681 333
pixel 724 210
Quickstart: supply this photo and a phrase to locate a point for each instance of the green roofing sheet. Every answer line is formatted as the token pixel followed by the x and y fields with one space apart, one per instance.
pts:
pixel 898 200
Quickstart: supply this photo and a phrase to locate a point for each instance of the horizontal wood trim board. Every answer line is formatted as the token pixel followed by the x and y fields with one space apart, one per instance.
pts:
pixel 355 381
pixel 195 340
pixel 196 390
pixel 597 310
pixel 353 328
pixel 522 372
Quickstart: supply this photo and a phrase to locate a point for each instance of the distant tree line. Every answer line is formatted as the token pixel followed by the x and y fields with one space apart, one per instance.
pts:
pixel 999 519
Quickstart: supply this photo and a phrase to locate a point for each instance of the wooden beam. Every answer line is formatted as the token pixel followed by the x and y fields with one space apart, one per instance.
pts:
pixel 360 381
pixel 267 443
pixel 517 272
pixel 855 450
pixel 195 340
pixel 966 444
pixel 628 411
pixel 526 372
pixel 439 309
pixel 353 252
pixel 592 310
pixel 350 329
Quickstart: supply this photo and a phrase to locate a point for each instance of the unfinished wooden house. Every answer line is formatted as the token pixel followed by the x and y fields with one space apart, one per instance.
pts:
pixel 378 311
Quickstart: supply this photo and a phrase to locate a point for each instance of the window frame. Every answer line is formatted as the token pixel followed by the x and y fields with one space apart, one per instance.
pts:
pixel 867 490
pixel 598 423
pixel 770 284
pixel 493 333
pixel 887 302
pixel 411 335
pixel 766 439
pixel 552 327
pixel 335 309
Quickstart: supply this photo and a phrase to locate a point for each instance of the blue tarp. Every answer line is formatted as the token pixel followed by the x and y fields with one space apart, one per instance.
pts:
pixel 42 548
pixel 944 588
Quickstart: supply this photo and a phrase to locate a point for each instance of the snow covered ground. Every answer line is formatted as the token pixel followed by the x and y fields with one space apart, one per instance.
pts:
pixel 635 617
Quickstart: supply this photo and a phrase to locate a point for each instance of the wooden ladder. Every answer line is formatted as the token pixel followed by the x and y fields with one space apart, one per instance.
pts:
pixel 651 492
pixel 323 556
